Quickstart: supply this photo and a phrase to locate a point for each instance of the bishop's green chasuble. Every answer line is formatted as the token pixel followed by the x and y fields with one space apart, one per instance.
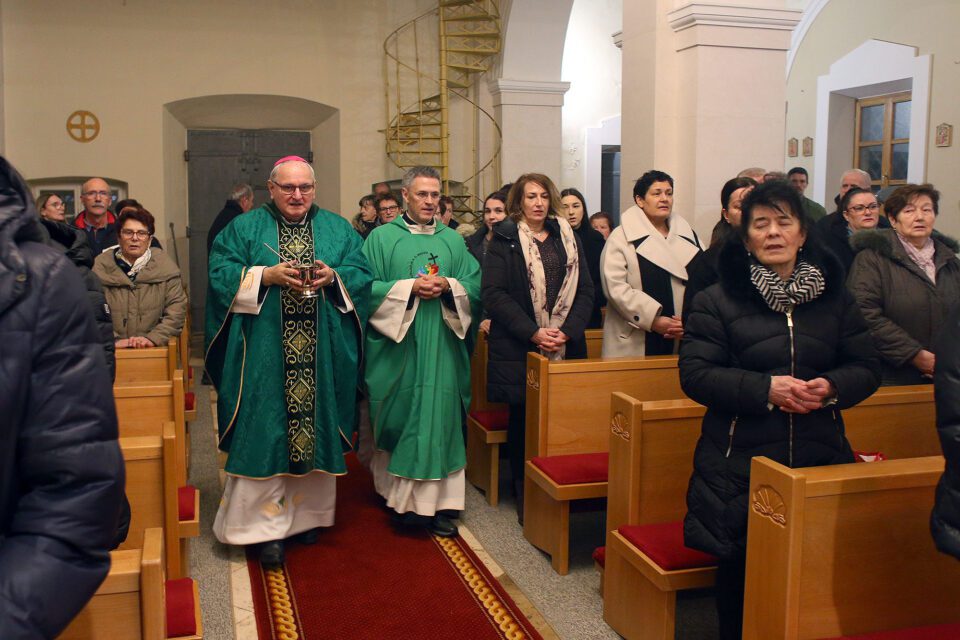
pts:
pixel 419 387
pixel 286 377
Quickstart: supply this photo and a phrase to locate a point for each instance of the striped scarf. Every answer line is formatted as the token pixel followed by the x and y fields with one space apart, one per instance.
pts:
pixel 804 285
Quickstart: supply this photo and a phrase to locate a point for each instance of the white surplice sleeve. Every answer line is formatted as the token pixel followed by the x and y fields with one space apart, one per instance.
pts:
pixel 395 314
pixel 458 318
pixel 248 298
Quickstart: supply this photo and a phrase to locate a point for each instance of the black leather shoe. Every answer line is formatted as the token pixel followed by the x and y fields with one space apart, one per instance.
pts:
pixel 271 555
pixel 410 519
pixel 441 526
pixel 310 536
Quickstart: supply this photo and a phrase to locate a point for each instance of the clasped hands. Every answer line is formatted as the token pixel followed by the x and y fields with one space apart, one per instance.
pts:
pixel 286 274
pixel 548 339
pixel 670 327
pixel 793 395
pixel 429 287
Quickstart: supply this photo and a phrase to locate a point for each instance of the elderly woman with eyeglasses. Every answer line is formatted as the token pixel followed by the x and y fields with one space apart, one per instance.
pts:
pixel 906 281
pixel 142 285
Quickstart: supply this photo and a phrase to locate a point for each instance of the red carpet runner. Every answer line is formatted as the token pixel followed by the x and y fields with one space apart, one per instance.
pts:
pixel 367 579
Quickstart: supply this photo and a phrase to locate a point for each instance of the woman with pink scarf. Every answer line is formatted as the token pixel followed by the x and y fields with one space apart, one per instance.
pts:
pixel 906 281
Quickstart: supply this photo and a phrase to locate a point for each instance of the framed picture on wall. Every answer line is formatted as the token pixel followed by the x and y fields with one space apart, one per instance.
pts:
pixel 807 147
pixel 792 145
pixel 944 135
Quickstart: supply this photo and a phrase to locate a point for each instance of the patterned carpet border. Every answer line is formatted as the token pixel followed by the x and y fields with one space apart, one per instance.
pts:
pixel 500 608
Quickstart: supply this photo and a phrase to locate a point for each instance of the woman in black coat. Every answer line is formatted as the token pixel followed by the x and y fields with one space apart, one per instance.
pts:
pixel 703 270
pixel 573 206
pixel 61 471
pixel 774 351
pixel 945 520
pixel 548 315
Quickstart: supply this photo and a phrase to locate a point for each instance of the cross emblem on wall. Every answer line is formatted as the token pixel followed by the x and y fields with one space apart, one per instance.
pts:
pixel 83 126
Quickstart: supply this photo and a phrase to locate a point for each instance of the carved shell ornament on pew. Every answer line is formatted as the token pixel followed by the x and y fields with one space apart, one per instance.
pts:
pixel 533 379
pixel 769 504
pixel 618 426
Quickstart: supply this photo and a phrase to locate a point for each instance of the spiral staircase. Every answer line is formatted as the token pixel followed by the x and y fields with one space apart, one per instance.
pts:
pixel 432 60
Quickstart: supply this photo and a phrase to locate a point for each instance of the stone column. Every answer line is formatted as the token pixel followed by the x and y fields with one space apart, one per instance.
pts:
pixel 704 89
pixel 528 112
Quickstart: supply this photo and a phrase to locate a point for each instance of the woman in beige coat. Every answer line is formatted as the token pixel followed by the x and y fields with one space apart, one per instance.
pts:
pixel 142 285
pixel 643 269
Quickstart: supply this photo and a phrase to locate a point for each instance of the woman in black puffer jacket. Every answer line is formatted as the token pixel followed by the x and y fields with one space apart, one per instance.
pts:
pixel 774 351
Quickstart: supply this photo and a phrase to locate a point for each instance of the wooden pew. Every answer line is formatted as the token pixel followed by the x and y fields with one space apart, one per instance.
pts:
pixel 567 436
pixel 844 550
pixel 897 421
pixel 143 408
pixel 651 459
pixel 156 364
pixel 190 397
pixel 131 602
pixel 486 427
pixel 154 479
pixel 594 342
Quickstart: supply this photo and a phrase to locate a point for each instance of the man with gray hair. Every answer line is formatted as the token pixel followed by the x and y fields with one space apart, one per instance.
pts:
pixel 426 290
pixel 240 200
pixel 286 306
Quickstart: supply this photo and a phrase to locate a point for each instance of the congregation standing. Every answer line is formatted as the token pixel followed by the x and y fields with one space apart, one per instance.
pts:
pixel 326 335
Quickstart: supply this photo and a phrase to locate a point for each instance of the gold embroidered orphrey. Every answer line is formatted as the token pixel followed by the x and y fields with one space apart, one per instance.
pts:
pixel 83 126
pixel 299 320
pixel 618 426
pixel 769 504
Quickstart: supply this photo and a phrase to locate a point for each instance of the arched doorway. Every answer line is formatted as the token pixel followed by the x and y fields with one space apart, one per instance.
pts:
pixel 214 142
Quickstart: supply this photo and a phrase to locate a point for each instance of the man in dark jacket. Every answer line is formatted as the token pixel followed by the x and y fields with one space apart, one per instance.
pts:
pixel 945 519
pixel 61 471
pixel 96 220
pixel 73 243
pixel 239 202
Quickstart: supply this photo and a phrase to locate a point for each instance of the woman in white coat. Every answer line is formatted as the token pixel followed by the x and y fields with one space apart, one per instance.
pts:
pixel 644 269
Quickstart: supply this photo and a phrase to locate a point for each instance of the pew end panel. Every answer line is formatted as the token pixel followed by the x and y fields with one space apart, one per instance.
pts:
pixel 844 550
pixel 485 434
pixel 130 604
pixel 651 459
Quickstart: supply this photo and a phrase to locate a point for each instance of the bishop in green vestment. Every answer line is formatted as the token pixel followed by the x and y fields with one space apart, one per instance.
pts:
pixel 285 366
pixel 426 290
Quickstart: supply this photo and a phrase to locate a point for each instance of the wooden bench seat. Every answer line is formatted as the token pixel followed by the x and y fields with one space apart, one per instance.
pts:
pixel 132 603
pixel 567 423
pixel 486 428
pixel 845 550
pixel 143 408
pixel 159 497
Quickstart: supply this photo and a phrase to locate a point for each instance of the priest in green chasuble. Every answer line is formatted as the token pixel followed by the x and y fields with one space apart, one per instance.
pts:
pixel 426 290
pixel 285 364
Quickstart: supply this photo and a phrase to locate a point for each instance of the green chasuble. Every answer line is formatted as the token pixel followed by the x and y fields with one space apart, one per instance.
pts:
pixel 286 378
pixel 419 387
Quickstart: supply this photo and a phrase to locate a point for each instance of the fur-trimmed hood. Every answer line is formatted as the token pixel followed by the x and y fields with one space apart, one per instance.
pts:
pixel 884 242
pixel 735 268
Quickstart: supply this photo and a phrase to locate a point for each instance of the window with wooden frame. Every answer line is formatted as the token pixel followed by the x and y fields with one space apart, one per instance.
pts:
pixel 882 147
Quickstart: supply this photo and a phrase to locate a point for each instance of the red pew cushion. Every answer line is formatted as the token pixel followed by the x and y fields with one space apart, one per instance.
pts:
pixel 189 400
pixel 185 502
pixel 600 556
pixel 937 632
pixel 663 543
pixel 181 619
pixel 577 468
pixel 492 420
